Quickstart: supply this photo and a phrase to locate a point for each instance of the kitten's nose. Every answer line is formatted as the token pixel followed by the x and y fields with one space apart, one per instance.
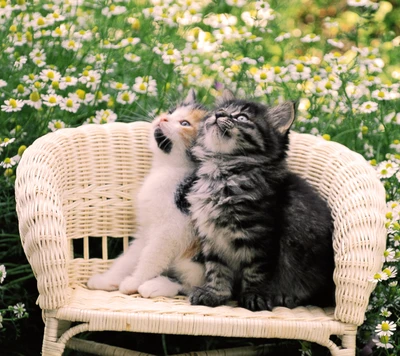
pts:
pixel 221 113
pixel 163 119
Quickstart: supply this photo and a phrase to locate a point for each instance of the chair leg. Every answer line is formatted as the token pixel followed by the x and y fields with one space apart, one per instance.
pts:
pixel 348 347
pixel 54 328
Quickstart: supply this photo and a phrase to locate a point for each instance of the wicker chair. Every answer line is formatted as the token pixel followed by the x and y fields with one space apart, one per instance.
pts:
pixel 76 186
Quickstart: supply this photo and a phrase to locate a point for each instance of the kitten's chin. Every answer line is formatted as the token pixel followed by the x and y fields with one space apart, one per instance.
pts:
pixel 217 141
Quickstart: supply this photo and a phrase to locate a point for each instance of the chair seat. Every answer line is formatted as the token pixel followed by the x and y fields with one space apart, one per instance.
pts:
pixel 116 311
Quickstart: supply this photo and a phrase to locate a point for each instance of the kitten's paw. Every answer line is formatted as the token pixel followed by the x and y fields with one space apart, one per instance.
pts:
pixel 129 285
pixel 207 297
pixel 253 301
pixel 159 286
pixel 280 300
pixel 103 282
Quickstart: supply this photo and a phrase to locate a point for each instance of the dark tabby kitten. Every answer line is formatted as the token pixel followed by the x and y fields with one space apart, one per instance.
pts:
pixel 266 234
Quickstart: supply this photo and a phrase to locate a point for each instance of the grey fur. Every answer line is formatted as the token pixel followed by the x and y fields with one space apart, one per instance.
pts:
pixel 266 234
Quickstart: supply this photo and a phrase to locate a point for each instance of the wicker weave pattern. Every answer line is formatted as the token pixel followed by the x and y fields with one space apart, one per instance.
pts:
pixel 76 184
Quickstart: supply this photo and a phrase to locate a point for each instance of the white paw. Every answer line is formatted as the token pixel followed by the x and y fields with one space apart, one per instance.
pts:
pixel 159 286
pixel 129 285
pixel 102 282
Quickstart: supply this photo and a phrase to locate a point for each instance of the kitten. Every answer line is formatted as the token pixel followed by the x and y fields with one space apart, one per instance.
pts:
pixel 266 234
pixel 164 242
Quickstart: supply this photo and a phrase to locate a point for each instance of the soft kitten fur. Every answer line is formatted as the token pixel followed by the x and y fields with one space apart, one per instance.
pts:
pixel 266 235
pixel 164 241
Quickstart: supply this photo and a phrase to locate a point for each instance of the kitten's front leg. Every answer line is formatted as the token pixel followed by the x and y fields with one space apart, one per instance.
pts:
pixel 252 295
pixel 219 283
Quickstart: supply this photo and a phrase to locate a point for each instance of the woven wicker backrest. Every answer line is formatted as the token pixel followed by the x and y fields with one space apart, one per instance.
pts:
pixel 75 189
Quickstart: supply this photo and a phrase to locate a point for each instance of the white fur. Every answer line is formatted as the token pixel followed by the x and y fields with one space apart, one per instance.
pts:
pixel 159 286
pixel 164 233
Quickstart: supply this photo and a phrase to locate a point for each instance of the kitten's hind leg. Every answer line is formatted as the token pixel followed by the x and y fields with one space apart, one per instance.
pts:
pixel 155 258
pixel 122 267
pixel 159 286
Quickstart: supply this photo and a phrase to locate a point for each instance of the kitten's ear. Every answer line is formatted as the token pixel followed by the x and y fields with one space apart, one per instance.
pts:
pixel 227 95
pixel 282 116
pixel 190 98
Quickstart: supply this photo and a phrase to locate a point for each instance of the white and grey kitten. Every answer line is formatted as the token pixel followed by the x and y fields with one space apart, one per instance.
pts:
pixel 165 243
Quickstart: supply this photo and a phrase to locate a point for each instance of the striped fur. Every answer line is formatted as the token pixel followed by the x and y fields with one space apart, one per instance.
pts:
pixel 266 235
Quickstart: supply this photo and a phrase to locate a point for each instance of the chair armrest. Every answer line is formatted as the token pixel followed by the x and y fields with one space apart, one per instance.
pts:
pixel 357 201
pixel 38 193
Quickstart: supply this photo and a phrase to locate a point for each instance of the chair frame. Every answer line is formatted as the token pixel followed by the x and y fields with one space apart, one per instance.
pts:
pixel 77 184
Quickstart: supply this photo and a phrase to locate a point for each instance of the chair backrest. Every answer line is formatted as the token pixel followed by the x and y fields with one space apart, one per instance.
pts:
pixel 357 201
pixel 76 190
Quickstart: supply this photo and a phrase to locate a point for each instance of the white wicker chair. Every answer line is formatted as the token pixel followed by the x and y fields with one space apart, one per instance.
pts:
pixel 78 185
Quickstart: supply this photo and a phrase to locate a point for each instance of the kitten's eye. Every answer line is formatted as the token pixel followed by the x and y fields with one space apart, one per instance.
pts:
pixel 242 118
pixel 185 123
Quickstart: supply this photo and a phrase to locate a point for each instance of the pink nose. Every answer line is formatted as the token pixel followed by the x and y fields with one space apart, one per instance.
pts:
pixel 164 119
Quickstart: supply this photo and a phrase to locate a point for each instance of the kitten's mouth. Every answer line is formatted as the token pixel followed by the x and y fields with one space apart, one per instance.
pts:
pixel 163 142
pixel 225 125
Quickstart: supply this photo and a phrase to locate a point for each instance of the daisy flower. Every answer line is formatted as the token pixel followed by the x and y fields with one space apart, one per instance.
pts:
pixel 83 35
pixel 379 277
pixel 391 271
pixel 71 45
pixel 385 312
pixel 91 78
pixel 60 31
pixel 34 100
pixel 68 81
pixel 21 91
pixel 368 107
pixel 3 273
pixel 7 141
pixel 82 97
pixel 264 76
pixel 38 54
pixel 358 3
pixel 19 63
pixel 335 43
pixel 389 255
pixel 130 57
pixel 172 56
pixel 113 10
pixel 50 75
pixel 237 3
pixel 118 85
pixel 104 116
pixel 126 97
pixel 12 105
pixel 68 104
pixel 55 125
pixel 145 85
pixel 387 169
pixel 383 342
pixel 8 163
pixel 3 83
pixel 385 328
pixel 312 37
pixel 129 41
pixel 30 78
pixel 381 94
pixel 51 99
pixel 19 310
pixel 299 71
